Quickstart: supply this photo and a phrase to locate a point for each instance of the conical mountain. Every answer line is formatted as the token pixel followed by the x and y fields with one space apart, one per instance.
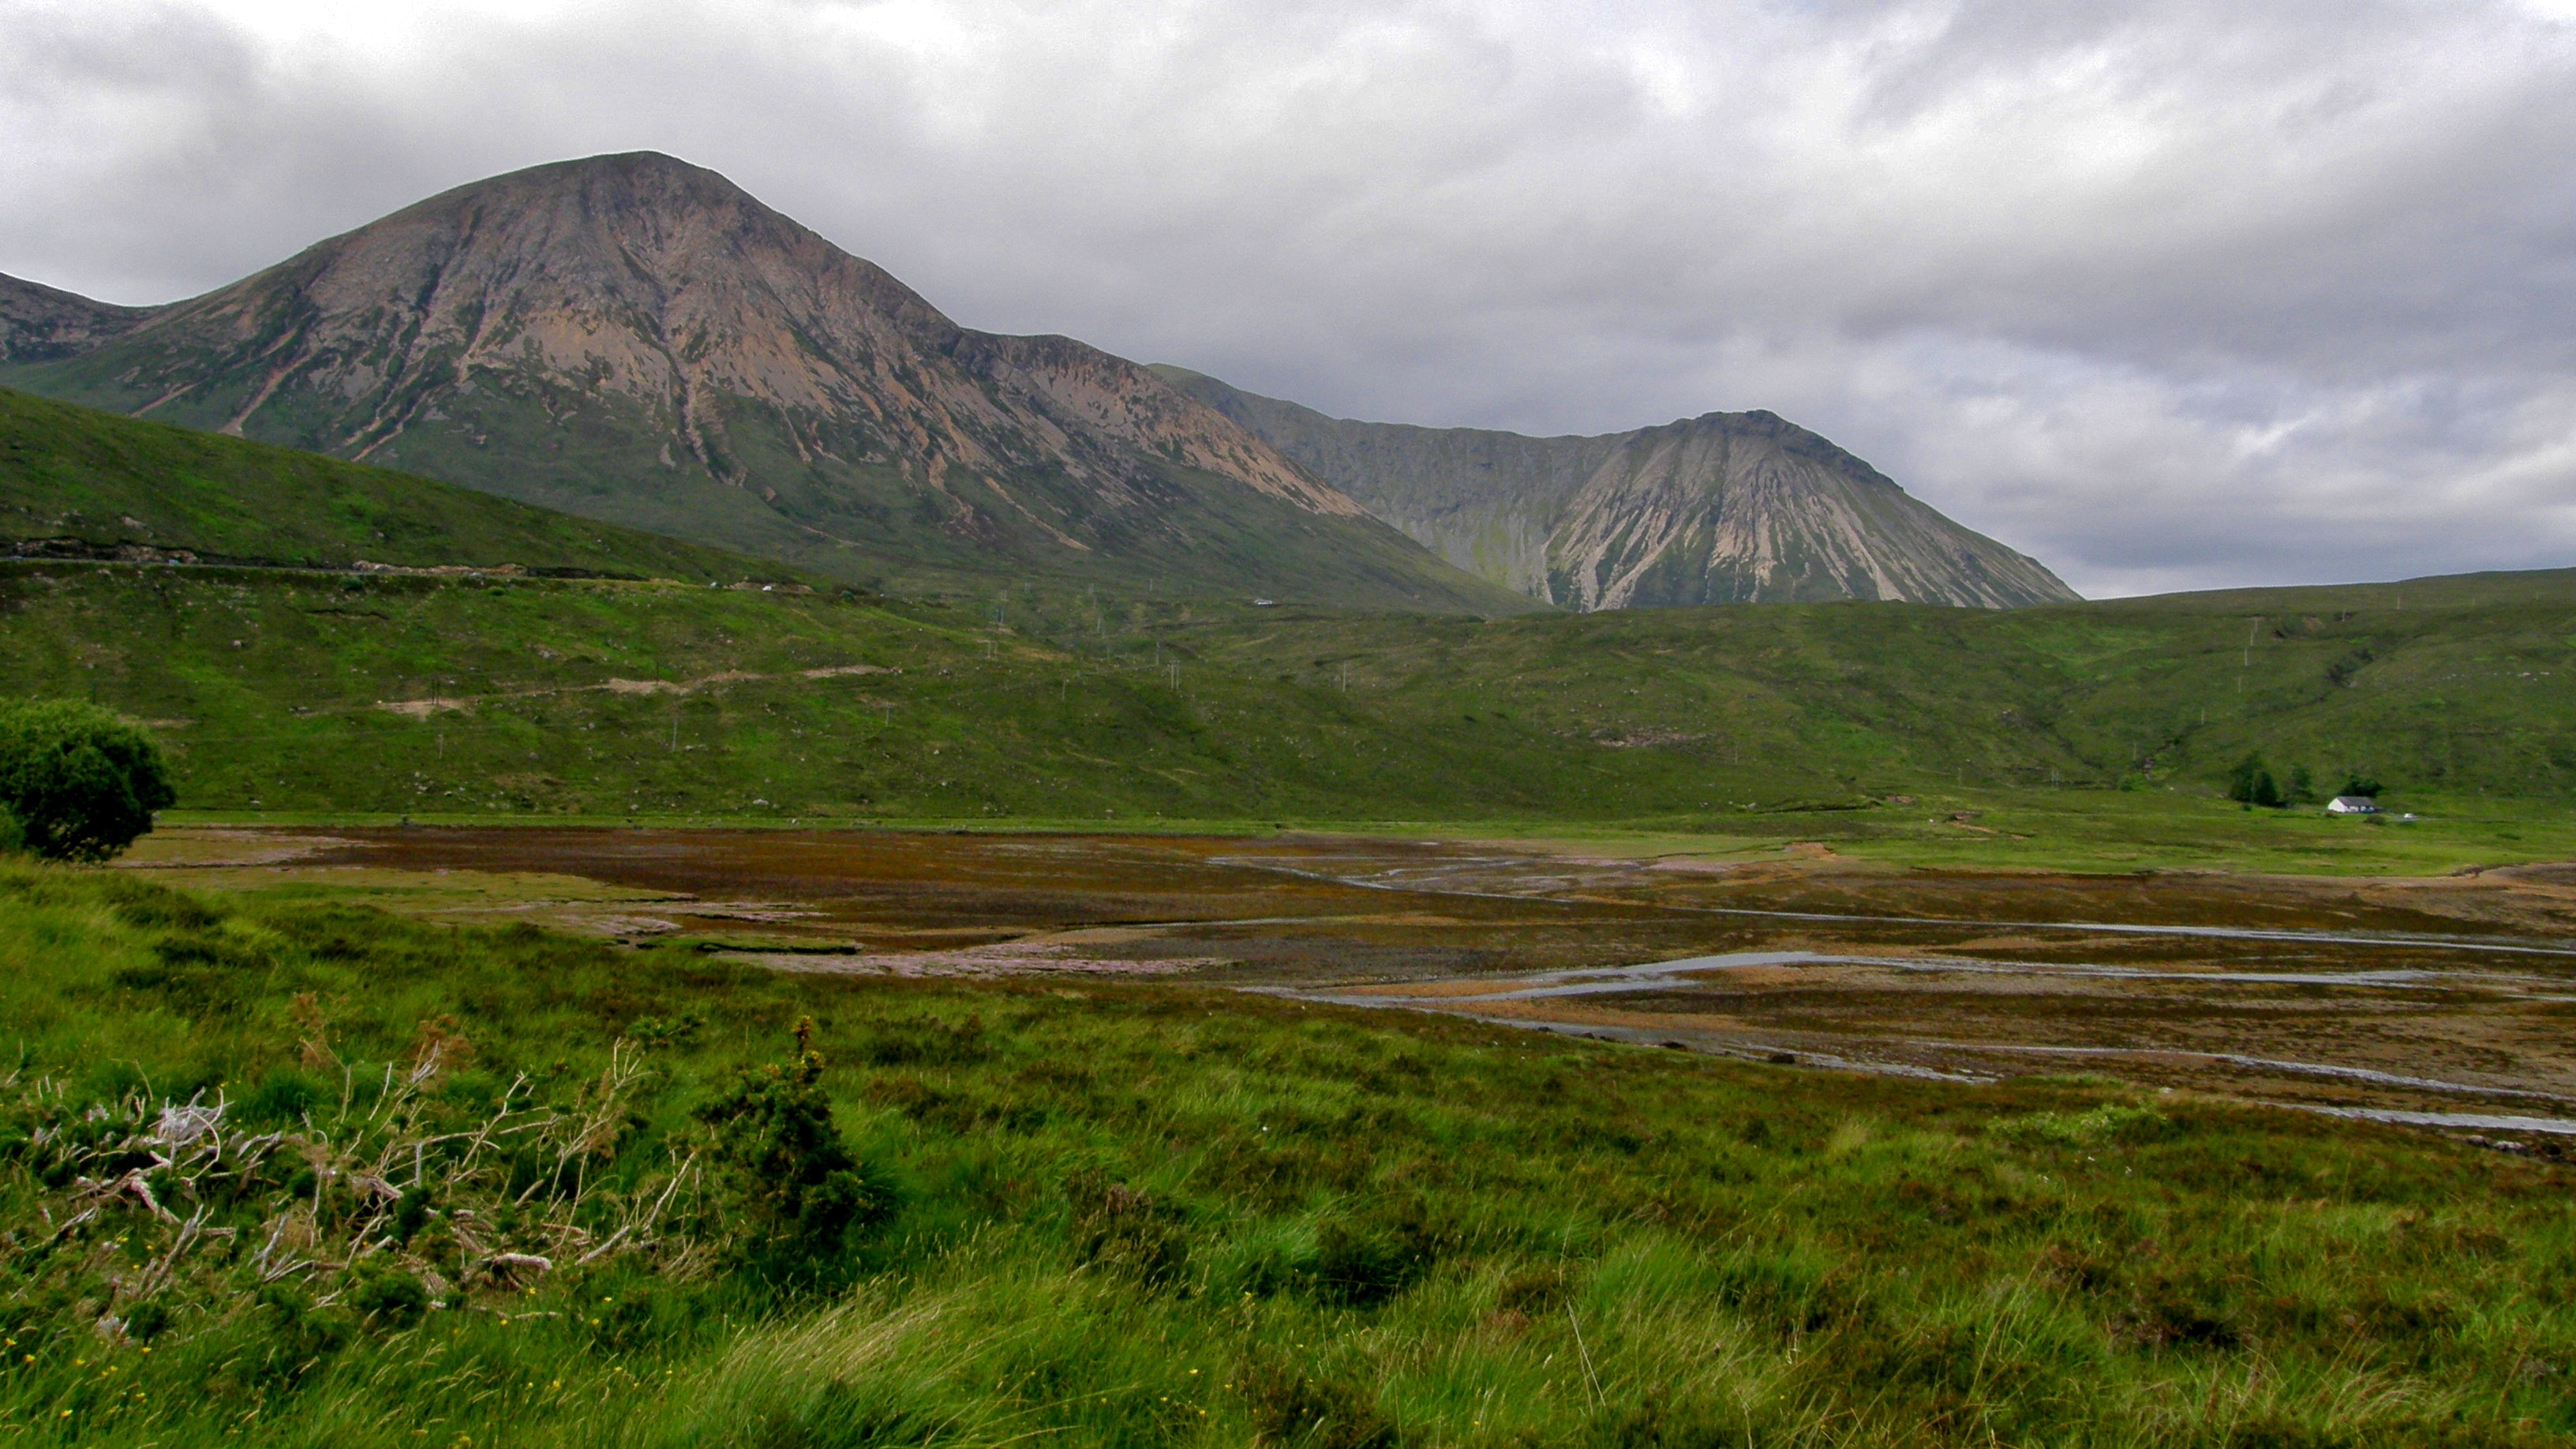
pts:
pixel 1722 508
pixel 637 339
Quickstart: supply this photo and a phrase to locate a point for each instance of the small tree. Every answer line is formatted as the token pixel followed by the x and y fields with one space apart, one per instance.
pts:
pixel 2303 786
pixel 77 782
pixel 2253 783
pixel 2360 784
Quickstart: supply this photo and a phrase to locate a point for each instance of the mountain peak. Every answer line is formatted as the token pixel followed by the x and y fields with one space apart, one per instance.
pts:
pixel 638 338
pixel 1720 508
pixel 648 180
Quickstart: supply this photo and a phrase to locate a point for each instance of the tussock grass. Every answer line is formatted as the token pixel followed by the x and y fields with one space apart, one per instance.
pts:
pixel 1148 1214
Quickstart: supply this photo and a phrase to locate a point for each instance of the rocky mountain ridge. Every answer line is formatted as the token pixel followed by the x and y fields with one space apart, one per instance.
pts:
pixel 633 338
pixel 1721 508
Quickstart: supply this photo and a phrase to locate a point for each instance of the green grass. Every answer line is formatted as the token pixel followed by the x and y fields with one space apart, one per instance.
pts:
pixel 71 472
pixel 2466 685
pixel 268 683
pixel 1158 1215
pixel 1930 735
pixel 2083 830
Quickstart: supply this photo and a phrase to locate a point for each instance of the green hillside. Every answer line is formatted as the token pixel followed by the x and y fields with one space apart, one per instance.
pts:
pixel 2463 684
pixel 547 695
pixel 534 486
pixel 73 472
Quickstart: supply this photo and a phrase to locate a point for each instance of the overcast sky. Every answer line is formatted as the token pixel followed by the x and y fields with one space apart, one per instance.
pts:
pixel 2171 294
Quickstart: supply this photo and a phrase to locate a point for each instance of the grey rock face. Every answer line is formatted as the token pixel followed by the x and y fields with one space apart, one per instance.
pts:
pixel 1722 508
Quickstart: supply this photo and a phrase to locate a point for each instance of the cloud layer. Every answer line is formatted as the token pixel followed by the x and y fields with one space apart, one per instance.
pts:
pixel 2170 293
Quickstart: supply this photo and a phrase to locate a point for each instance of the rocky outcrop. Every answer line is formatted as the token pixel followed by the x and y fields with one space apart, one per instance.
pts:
pixel 1722 508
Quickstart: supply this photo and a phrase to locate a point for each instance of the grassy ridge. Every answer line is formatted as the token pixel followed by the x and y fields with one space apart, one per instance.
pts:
pixel 72 472
pixel 268 684
pixel 2465 685
pixel 1138 1215
pixel 1866 725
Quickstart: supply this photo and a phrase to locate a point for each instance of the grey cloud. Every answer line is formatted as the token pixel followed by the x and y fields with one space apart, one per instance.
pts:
pixel 2172 293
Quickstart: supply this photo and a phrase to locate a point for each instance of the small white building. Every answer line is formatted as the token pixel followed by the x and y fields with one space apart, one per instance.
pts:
pixel 2352 805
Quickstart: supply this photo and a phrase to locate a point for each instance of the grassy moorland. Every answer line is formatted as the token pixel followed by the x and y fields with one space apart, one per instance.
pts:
pixel 1145 1214
pixel 1937 735
pixel 2464 685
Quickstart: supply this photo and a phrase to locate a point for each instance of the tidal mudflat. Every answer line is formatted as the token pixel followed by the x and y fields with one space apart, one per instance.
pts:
pixel 2446 1001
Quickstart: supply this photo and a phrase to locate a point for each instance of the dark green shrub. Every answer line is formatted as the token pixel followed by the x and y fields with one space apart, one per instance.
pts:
pixel 774 1139
pixel 300 1334
pixel 2261 789
pixel 147 1320
pixel 77 782
pixel 411 1214
pixel 388 1297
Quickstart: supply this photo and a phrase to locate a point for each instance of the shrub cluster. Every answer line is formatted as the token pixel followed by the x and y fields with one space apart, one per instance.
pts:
pixel 2252 782
pixel 77 782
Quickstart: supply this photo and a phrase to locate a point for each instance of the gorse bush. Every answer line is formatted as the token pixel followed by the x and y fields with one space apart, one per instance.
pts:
pixel 772 1136
pixel 77 782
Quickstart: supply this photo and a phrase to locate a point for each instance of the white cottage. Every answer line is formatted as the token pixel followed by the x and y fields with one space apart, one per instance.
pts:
pixel 2352 805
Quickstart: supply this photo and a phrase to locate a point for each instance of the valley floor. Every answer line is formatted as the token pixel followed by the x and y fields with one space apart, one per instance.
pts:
pixel 2436 998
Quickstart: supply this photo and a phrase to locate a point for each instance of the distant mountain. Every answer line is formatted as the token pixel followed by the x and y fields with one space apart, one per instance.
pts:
pixel 1722 508
pixel 636 339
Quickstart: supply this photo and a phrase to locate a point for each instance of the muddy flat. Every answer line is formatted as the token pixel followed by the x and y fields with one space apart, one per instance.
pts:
pixel 2450 997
